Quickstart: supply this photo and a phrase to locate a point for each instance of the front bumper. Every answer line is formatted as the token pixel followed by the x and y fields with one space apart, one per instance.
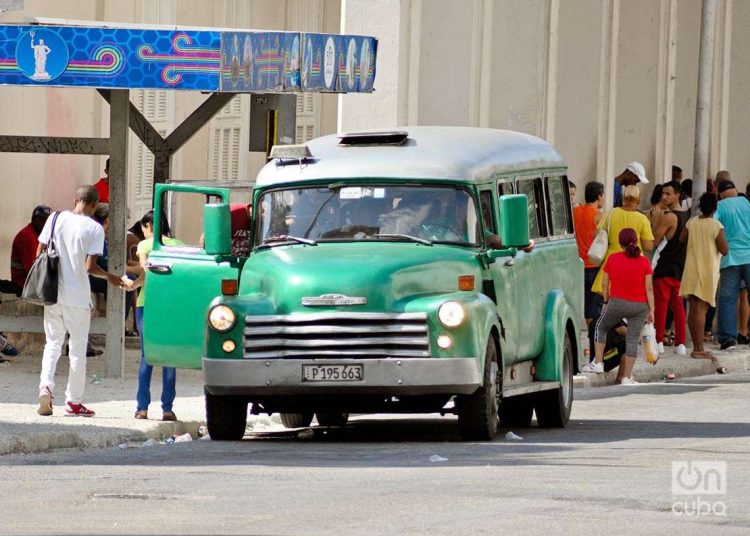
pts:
pixel 413 376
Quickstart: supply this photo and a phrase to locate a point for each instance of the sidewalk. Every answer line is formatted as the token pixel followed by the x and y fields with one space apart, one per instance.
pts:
pixel 23 431
pixel 682 366
pixel 113 400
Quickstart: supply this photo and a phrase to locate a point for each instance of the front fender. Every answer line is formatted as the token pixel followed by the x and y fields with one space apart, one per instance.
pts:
pixel 558 315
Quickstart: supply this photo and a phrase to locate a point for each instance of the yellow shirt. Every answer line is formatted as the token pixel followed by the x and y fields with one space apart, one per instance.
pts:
pixel 620 219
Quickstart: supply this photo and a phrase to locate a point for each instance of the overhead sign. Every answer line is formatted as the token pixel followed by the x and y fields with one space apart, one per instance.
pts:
pixel 137 58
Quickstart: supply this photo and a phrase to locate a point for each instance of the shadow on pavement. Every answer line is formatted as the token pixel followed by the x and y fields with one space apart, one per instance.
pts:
pixel 397 443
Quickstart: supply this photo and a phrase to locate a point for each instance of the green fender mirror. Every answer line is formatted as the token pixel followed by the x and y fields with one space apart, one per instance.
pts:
pixel 514 221
pixel 217 229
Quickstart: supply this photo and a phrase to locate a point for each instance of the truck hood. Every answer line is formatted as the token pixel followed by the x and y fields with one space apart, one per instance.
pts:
pixel 383 273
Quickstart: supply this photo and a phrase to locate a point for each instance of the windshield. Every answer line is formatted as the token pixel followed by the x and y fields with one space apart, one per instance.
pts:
pixel 347 213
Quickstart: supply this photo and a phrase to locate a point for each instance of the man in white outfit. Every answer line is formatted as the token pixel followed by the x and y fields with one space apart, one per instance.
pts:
pixel 79 240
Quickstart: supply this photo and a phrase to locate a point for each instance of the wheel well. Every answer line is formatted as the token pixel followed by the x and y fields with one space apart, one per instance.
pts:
pixel 574 342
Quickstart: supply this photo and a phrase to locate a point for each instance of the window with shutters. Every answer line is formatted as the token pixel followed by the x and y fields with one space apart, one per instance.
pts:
pixel 227 142
pixel 158 108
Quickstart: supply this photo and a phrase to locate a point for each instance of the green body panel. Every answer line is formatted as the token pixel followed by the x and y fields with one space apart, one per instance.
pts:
pixel 557 315
pixel 218 224
pixel 174 316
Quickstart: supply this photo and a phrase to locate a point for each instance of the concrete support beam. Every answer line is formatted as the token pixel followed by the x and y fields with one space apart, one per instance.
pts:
pixel 53 145
pixel 605 158
pixel 119 120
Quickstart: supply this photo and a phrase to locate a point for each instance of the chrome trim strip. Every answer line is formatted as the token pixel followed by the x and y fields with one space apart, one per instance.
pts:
pixel 325 329
pixel 359 341
pixel 317 317
pixel 314 353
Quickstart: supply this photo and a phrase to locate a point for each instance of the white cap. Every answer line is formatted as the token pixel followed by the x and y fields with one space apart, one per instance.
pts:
pixel 637 169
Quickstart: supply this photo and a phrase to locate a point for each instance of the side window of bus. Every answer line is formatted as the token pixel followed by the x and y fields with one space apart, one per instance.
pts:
pixel 488 217
pixel 533 190
pixel 557 205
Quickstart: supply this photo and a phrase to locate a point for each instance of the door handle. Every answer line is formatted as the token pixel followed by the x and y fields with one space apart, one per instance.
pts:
pixel 510 262
pixel 158 267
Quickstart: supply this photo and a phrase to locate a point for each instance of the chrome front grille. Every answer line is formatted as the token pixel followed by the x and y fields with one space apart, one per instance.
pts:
pixel 346 335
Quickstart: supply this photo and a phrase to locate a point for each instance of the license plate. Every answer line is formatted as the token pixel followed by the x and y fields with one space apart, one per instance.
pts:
pixel 333 373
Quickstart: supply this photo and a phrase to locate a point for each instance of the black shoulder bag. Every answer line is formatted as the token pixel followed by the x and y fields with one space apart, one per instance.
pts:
pixel 41 283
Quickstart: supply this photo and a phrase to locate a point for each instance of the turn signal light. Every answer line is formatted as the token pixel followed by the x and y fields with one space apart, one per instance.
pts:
pixel 229 287
pixel 465 282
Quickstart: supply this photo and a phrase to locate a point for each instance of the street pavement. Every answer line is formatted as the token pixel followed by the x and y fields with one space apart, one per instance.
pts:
pixel 612 470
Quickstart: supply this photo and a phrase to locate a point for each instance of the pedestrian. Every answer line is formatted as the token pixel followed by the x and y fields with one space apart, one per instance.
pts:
pixel 625 217
pixel 634 173
pixel 655 202
pixel 585 218
pixel 79 240
pixel 669 267
pixel 102 185
pixel 628 294
pixel 169 374
pixel 686 195
pixel 25 243
pixel 572 189
pixel 706 244
pixel 677 174
pixel 733 213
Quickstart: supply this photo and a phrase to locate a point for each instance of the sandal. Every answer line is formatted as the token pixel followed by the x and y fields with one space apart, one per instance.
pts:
pixel 708 336
pixel 668 339
pixel 721 370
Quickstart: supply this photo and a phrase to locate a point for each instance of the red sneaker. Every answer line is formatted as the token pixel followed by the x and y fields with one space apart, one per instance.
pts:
pixel 78 410
pixel 45 402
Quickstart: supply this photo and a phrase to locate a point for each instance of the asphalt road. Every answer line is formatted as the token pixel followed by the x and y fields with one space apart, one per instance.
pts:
pixel 610 471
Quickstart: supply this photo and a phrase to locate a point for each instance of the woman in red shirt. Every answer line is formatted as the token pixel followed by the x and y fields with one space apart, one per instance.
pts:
pixel 628 294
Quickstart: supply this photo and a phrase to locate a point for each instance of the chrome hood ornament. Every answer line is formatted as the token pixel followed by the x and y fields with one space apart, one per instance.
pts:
pixel 333 299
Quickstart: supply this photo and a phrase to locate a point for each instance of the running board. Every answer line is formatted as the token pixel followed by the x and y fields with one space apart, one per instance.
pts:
pixel 530 388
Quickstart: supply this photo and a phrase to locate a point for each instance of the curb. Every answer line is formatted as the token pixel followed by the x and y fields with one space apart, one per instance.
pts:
pixel 37 442
pixel 680 366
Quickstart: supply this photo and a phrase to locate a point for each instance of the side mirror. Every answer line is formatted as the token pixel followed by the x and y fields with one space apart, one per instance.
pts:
pixel 514 221
pixel 217 229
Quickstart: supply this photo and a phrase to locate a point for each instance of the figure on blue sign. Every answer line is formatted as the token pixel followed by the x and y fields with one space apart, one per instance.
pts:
pixel 41 51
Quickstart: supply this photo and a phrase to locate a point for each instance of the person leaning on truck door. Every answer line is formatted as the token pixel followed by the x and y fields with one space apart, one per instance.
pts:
pixel 169 374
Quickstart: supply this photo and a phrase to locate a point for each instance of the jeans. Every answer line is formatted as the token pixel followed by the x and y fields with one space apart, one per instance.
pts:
pixel 59 319
pixel 729 290
pixel 168 376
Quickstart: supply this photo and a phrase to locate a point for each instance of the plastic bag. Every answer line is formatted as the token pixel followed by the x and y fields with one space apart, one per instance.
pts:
pixel 648 341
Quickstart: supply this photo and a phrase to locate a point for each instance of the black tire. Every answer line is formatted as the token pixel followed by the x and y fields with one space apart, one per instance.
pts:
pixel 226 417
pixel 332 419
pixel 477 412
pixel 553 407
pixel 516 411
pixel 296 420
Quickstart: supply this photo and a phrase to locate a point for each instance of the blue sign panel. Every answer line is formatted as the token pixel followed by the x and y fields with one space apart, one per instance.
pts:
pixel 134 58
pixel 341 63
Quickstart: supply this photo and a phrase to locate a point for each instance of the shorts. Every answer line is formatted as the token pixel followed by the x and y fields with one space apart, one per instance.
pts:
pixel 592 301
pixel 617 310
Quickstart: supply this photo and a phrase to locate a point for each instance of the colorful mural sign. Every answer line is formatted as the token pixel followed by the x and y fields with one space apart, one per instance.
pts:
pixel 180 59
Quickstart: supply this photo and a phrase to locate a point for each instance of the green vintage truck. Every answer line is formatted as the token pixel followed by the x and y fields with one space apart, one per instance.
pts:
pixel 423 270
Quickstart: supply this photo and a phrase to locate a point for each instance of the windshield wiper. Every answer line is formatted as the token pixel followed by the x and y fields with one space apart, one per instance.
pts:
pixel 405 237
pixel 288 238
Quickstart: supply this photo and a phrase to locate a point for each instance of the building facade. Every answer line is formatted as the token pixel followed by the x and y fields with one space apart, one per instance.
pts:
pixel 606 81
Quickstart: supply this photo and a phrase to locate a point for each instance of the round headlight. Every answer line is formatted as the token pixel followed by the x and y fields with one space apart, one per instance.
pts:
pixel 451 314
pixel 221 318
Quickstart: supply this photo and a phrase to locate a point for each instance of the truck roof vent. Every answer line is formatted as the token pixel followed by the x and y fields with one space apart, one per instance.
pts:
pixel 393 137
